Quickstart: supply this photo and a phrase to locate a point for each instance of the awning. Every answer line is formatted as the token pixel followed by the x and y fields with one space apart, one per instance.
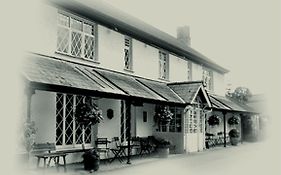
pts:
pixel 224 103
pixel 140 87
pixel 162 90
pixel 52 72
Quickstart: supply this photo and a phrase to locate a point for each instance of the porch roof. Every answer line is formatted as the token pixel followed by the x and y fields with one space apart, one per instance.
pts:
pixel 186 90
pixel 48 71
pixel 130 85
pixel 161 89
pixel 224 103
pixel 53 74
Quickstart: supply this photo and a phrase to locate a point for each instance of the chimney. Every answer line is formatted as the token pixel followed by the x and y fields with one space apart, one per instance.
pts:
pixel 183 35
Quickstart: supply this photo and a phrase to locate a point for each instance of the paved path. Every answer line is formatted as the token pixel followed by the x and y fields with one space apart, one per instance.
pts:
pixel 248 158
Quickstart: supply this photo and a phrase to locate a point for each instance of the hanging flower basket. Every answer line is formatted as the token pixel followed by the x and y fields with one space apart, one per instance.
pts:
pixel 88 114
pixel 234 120
pixel 214 120
pixel 162 115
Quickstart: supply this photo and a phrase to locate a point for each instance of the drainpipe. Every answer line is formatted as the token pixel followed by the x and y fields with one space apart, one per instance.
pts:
pixel 128 122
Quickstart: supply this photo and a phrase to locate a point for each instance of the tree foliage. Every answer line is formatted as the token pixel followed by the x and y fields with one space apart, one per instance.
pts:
pixel 240 94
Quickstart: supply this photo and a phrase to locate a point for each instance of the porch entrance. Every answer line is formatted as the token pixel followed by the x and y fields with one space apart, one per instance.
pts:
pixel 194 130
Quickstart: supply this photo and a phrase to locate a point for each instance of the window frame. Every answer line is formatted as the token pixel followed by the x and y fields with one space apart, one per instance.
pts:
pixel 208 73
pixel 74 126
pixel 85 34
pixel 130 51
pixel 189 70
pixel 177 121
pixel 166 66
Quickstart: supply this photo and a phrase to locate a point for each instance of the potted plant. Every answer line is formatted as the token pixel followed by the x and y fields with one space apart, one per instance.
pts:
pixel 214 120
pixel 162 115
pixel 29 135
pixel 234 136
pixel 234 120
pixel 163 146
pixel 87 114
pixel 91 160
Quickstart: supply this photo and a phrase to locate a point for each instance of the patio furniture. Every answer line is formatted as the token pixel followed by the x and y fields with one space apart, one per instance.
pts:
pixel 118 150
pixel 102 146
pixel 146 145
pixel 48 151
pixel 220 139
pixel 210 140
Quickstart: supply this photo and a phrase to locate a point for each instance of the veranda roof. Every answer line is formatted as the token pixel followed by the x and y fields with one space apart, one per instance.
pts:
pixel 58 75
pixel 161 89
pixel 133 87
pixel 224 103
pixel 53 72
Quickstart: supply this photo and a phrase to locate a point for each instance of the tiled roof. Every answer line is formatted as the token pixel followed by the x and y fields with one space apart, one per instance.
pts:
pixel 115 19
pixel 43 70
pixel 186 90
pixel 221 102
pixel 161 89
pixel 129 85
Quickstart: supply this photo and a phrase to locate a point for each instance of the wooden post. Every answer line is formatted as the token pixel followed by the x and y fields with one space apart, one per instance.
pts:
pixel 128 123
pixel 224 128
pixel 241 129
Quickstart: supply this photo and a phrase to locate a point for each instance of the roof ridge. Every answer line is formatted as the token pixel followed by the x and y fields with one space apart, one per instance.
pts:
pixel 185 82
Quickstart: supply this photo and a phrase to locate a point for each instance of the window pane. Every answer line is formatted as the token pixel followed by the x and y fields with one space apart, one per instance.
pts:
pixel 88 29
pixel 69 116
pixel 78 128
pixel 59 119
pixel 76 24
pixel 76 44
pixel 63 39
pixel 63 20
pixel 89 47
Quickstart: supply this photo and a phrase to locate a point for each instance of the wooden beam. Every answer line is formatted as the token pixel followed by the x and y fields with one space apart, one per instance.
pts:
pixel 128 123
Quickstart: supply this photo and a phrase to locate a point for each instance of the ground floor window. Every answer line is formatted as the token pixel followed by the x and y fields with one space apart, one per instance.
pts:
pixel 175 124
pixel 68 132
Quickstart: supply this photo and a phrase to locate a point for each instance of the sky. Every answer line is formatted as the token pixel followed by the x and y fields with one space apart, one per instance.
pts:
pixel 240 35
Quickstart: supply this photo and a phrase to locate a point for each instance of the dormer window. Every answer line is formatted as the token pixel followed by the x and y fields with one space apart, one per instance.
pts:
pixel 163 65
pixel 128 61
pixel 76 37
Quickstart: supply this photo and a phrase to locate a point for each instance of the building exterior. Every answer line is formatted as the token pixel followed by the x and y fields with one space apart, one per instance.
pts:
pixel 89 49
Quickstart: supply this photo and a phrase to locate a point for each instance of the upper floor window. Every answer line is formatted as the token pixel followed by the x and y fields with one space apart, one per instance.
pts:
pixel 163 65
pixel 189 71
pixel 128 62
pixel 76 37
pixel 208 78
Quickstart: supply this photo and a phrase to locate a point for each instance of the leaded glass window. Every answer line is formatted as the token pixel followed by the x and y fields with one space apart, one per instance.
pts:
pixel 163 65
pixel 128 53
pixel 76 37
pixel 208 78
pixel 68 131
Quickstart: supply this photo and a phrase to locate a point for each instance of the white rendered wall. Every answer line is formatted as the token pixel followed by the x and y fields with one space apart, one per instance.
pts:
pixel 178 69
pixel 43 113
pixel 144 129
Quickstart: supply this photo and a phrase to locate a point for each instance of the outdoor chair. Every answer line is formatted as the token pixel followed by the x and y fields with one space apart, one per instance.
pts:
pixel 117 149
pixel 145 146
pixel 102 146
pixel 220 139
pixel 210 140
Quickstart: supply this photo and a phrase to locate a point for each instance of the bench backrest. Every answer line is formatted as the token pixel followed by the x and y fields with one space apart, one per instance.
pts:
pixel 43 147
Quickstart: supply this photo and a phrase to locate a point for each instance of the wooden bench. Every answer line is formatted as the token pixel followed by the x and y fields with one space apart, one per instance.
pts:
pixel 48 151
